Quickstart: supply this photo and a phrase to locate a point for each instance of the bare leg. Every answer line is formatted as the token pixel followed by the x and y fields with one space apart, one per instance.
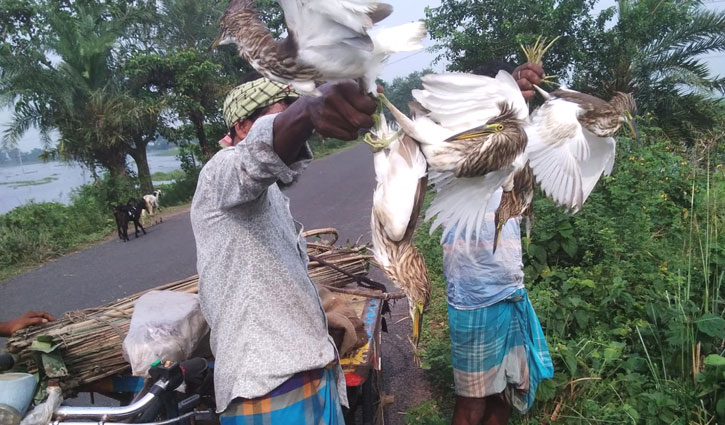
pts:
pixel 468 411
pixel 498 410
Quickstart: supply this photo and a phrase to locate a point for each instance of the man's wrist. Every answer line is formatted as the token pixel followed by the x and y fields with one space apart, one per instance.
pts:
pixel 292 128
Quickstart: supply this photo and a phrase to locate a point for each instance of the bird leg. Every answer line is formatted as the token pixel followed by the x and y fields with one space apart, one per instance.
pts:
pixel 380 143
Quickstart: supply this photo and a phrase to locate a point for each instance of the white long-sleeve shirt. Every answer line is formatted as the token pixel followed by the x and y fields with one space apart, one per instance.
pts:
pixel 267 321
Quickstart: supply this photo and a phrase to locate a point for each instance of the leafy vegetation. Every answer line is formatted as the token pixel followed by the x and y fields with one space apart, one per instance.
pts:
pixel 628 291
pixel 171 175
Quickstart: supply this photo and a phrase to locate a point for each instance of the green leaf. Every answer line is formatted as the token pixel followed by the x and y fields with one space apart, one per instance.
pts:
pixel 53 365
pixel 714 360
pixel 631 411
pixel 570 360
pixel 587 282
pixel 613 351
pixel 711 325
pixel 720 407
pixel 569 246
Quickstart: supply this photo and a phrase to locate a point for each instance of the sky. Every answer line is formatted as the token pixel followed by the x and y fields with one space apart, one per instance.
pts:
pixel 402 64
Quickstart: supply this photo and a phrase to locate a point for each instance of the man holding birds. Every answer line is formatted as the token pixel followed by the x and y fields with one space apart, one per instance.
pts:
pixel 275 362
pixel 498 348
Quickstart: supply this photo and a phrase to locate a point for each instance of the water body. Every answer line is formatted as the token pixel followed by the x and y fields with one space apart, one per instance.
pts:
pixel 55 181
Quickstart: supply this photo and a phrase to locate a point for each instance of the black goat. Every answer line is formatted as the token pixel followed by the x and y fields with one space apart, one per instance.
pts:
pixel 136 208
pixel 129 212
pixel 122 213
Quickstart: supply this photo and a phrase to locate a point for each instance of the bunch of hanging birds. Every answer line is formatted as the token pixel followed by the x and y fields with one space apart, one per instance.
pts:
pixel 478 137
pixel 470 135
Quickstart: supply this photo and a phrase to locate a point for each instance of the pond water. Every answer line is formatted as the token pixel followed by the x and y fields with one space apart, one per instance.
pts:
pixel 54 181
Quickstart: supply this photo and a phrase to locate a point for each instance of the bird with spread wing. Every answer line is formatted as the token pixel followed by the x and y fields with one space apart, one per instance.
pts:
pixel 327 40
pixel 400 172
pixel 571 142
pixel 472 137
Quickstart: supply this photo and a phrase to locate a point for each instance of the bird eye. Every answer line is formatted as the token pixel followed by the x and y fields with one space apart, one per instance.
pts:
pixel 499 127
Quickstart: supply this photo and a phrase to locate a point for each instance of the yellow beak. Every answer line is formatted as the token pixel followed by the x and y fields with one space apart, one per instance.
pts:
pixel 417 322
pixel 215 43
pixel 632 124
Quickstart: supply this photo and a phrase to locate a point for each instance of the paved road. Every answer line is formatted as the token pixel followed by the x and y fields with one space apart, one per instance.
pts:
pixel 334 192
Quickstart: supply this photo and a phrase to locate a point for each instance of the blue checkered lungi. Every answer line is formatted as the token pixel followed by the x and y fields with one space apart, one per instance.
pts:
pixel 500 348
pixel 308 398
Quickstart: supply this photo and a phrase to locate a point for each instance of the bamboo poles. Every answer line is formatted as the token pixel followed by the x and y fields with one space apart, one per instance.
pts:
pixel 90 341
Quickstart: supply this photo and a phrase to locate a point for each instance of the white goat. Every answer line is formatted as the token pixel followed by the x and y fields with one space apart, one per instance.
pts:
pixel 152 203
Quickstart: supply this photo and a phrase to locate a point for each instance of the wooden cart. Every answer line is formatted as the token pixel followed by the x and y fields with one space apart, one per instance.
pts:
pixel 363 367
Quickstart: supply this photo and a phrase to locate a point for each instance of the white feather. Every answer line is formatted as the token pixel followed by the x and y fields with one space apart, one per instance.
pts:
pixel 332 36
pixel 567 159
pixel 460 204
pixel 460 101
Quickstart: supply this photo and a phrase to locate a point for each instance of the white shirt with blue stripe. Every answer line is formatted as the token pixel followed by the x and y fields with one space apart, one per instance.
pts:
pixel 476 277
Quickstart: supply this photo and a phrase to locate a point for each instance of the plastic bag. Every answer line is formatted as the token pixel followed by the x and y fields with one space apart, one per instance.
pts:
pixel 42 413
pixel 166 325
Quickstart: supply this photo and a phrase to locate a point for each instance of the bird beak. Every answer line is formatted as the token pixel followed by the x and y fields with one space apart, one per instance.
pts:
pixel 632 124
pixel 417 322
pixel 216 42
pixel 497 235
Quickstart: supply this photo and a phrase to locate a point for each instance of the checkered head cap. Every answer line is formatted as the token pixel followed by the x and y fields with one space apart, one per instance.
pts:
pixel 244 99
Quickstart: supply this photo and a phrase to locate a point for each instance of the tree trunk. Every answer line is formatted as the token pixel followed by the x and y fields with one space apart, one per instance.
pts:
pixel 198 121
pixel 116 167
pixel 144 173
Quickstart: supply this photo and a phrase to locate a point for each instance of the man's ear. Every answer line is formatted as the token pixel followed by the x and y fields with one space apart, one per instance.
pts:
pixel 238 126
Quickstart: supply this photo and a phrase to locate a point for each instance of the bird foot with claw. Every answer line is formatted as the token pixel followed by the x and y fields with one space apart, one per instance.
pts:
pixel 375 144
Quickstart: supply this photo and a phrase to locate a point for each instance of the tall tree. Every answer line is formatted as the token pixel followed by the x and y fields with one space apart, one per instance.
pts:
pixel 194 86
pixel 193 79
pixel 470 32
pixel 655 50
pixel 65 77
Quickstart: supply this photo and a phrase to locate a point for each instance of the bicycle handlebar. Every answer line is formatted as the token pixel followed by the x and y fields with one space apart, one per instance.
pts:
pixel 106 413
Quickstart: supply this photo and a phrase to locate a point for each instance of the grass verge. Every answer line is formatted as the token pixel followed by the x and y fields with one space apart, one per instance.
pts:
pixel 327 147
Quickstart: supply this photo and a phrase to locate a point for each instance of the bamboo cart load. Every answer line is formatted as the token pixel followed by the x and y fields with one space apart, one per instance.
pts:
pixel 85 346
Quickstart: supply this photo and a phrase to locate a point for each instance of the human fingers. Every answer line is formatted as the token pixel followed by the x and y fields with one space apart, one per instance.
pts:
pixel 332 124
pixel 529 76
pixel 536 68
pixel 361 101
pixel 43 314
pixel 525 85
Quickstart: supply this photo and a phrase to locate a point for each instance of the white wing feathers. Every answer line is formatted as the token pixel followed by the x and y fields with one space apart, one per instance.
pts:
pixel 601 161
pixel 398 170
pixel 460 101
pixel 567 159
pixel 352 14
pixel 460 204
pixel 332 36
